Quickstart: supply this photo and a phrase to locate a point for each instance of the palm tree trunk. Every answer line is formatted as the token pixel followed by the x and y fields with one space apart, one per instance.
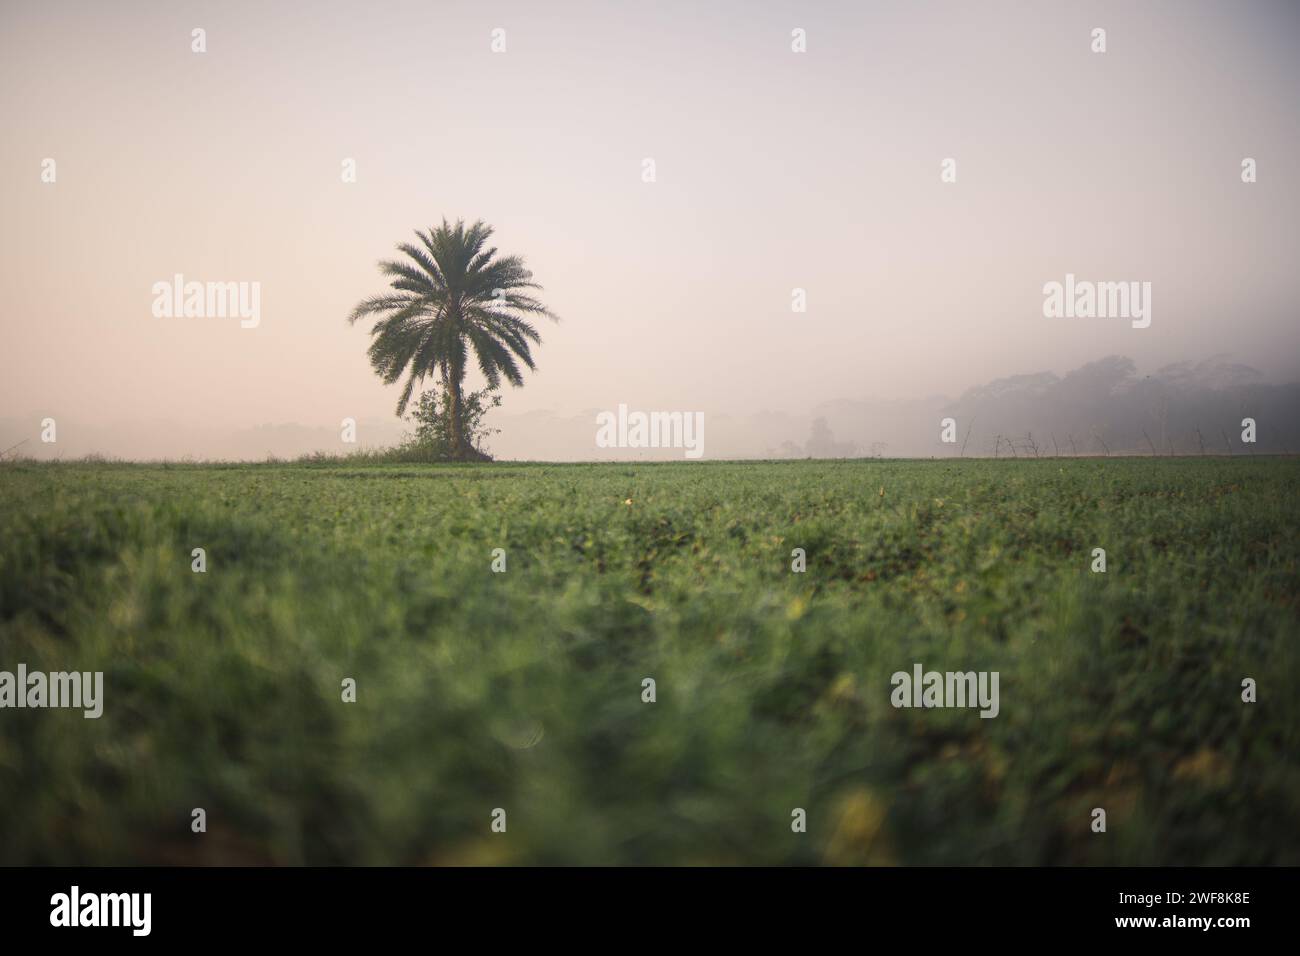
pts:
pixel 461 448
pixel 456 425
pixel 453 384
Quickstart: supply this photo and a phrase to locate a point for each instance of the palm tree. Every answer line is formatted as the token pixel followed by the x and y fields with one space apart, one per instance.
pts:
pixel 451 295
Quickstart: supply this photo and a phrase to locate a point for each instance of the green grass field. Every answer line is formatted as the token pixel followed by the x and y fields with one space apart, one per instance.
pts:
pixel 523 690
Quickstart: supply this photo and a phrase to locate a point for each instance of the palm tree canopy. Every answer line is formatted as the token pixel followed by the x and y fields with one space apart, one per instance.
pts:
pixel 452 294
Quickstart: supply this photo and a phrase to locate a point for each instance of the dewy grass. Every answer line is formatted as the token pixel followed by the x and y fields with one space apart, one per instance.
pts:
pixel 517 681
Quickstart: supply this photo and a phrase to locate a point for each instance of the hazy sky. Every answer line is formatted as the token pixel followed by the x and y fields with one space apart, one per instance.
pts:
pixel 775 170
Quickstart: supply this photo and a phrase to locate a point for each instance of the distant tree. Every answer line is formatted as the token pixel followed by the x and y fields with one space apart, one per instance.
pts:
pixel 452 295
pixel 822 444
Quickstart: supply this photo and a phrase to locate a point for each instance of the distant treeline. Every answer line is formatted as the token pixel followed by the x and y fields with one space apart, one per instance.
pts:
pixel 1104 407
pixel 1101 408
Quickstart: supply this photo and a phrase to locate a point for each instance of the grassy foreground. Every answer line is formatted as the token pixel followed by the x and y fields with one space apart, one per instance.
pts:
pixel 523 690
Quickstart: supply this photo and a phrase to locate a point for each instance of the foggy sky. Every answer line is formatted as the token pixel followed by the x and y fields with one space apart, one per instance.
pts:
pixel 775 170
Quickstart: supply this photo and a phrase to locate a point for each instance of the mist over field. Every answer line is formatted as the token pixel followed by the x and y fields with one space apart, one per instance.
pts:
pixel 1104 407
